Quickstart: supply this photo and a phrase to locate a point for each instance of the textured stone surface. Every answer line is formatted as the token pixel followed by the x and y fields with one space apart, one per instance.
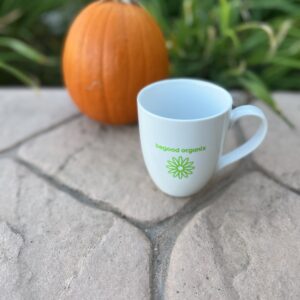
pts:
pixel 279 154
pixel 289 103
pixel 52 247
pixel 10 247
pixel 245 245
pixel 104 163
pixel 25 112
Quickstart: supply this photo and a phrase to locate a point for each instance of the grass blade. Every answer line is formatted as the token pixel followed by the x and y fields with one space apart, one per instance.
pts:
pixel 265 28
pixel 18 74
pixel 25 50
pixel 224 16
pixel 258 89
pixel 286 62
pixel 9 18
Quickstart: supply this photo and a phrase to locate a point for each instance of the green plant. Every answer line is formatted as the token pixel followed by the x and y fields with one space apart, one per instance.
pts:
pixel 19 48
pixel 28 29
pixel 250 44
pixel 14 50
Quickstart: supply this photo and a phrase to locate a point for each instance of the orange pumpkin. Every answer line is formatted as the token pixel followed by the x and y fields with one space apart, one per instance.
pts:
pixel 112 50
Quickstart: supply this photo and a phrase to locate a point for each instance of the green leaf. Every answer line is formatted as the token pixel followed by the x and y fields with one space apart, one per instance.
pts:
pixel 266 28
pixel 155 8
pixel 224 16
pixel 286 6
pixel 9 18
pixel 233 37
pixel 287 62
pixel 9 56
pixel 284 29
pixel 258 89
pixel 18 74
pixel 25 50
pixel 188 12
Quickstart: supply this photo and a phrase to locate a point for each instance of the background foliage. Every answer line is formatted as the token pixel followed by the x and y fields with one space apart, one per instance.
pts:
pixel 42 24
pixel 250 44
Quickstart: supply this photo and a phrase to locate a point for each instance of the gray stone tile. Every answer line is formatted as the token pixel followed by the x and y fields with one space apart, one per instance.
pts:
pixel 10 247
pixel 245 245
pixel 105 163
pixel 289 103
pixel 52 247
pixel 25 112
pixel 279 154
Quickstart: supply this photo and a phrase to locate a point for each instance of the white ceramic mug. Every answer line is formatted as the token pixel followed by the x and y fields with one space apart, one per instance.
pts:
pixel 183 124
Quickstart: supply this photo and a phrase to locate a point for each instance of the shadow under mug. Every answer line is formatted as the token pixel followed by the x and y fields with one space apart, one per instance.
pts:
pixel 183 124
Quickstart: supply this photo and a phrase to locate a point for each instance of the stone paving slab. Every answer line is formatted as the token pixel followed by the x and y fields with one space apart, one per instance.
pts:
pixel 289 103
pixel 106 164
pixel 279 154
pixel 25 112
pixel 245 245
pixel 52 247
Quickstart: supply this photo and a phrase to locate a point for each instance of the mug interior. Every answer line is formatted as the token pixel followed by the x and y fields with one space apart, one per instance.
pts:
pixel 185 99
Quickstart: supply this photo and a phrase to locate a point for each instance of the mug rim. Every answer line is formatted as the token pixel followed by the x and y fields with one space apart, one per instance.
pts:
pixel 199 81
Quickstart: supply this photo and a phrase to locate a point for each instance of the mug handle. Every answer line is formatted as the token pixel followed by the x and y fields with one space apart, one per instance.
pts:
pixel 253 142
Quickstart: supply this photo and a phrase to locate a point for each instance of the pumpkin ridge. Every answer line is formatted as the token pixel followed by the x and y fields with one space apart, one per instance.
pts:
pixel 89 25
pixel 100 74
pixel 139 66
pixel 117 111
pixel 66 63
pixel 106 103
pixel 128 57
pixel 144 47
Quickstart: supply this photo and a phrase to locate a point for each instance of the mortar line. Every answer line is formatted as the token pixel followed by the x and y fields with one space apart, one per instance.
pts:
pixel 243 167
pixel 265 172
pixel 78 195
pixel 182 217
pixel 170 234
pixel 87 201
pixel 209 192
pixel 151 230
pixel 188 211
pixel 151 270
pixel 275 179
pixel 175 225
pixel 39 133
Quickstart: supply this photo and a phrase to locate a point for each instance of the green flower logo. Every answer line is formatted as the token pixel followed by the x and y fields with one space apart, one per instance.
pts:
pixel 179 167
